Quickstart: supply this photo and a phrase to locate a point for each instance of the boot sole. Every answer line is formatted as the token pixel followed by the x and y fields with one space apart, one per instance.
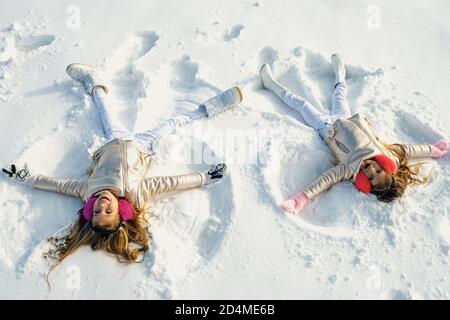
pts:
pixel 76 64
pixel 241 95
pixel 336 59
pixel 79 64
pixel 263 67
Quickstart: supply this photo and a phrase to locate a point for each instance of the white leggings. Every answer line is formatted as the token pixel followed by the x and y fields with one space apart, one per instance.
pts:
pixel 114 128
pixel 317 120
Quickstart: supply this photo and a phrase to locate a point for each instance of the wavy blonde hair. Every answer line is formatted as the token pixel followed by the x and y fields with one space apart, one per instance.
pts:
pixel 117 243
pixel 406 175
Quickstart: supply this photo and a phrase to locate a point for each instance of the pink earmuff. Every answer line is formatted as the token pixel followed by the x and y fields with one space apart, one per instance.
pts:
pixel 89 208
pixel 125 209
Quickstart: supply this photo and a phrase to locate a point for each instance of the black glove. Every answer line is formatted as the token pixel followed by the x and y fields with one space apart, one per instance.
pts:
pixel 215 173
pixel 20 175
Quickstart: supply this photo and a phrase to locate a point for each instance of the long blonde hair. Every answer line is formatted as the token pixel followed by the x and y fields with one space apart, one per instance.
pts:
pixel 407 174
pixel 117 243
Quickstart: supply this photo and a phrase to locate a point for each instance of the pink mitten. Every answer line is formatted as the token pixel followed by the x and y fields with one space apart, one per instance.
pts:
pixel 296 203
pixel 439 149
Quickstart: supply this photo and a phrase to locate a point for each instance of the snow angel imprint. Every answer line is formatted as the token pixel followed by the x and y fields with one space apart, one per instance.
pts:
pixel 118 187
pixel 361 156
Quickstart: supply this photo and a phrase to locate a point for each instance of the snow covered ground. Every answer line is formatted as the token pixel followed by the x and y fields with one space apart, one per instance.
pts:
pixel 230 240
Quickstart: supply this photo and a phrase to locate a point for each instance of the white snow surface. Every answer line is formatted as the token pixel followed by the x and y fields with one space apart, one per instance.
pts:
pixel 230 240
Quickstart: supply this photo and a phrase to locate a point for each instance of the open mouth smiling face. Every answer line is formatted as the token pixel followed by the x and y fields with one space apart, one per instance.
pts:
pixel 106 210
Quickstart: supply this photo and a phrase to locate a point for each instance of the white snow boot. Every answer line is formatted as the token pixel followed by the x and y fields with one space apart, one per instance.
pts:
pixel 269 82
pixel 339 68
pixel 87 75
pixel 223 101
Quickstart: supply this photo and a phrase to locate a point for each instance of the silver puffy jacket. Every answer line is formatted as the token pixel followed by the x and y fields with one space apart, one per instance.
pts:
pixel 352 141
pixel 121 166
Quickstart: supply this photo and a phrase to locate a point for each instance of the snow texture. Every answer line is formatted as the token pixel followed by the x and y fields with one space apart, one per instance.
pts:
pixel 229 240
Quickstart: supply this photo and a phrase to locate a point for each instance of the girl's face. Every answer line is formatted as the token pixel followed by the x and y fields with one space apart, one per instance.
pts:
pixel 378 178
pixel 106 210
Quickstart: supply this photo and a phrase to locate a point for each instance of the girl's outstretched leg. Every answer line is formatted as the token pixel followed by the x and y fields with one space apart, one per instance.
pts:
pixel 313 118
pixel 112 126
pixel 150 138
pixel 339 108
pixel 216 104
pixel 97 88
pixel 270 83
pixel 311 115
pixel 87 75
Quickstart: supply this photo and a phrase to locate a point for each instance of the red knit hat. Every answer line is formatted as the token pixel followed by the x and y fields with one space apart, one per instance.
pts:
pixel 386 163
pixel 362 183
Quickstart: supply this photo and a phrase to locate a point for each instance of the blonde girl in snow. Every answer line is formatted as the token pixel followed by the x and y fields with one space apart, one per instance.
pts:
pixel 118 186
pixel 361 156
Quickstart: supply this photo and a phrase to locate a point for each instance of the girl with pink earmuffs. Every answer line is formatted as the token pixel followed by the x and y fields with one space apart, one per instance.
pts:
pixel 118 186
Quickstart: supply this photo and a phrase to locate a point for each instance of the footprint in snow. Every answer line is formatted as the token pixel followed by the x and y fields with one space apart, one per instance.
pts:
pixel 147 41
pixel 30 43
pixel 234 33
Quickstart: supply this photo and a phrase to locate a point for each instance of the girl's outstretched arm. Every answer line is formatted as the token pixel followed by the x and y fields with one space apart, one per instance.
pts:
pixel 413 151
pixel 159 185
pixel 328 179
pixel 71 187
pixel 322 183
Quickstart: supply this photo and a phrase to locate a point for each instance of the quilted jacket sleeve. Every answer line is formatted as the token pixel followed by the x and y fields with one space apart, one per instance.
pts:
pixel 415 150
pixel 70 187
pixel 158 185
pixel 327 179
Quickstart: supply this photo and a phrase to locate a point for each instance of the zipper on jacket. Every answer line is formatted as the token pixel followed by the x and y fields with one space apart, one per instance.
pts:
pixel 331 133
pixel 123 161
pixel 367 134
pixel 372 140
pixel 341 146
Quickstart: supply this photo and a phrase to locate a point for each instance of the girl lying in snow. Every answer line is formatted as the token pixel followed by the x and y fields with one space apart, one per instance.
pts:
pixel 117 188
pixel 373 166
